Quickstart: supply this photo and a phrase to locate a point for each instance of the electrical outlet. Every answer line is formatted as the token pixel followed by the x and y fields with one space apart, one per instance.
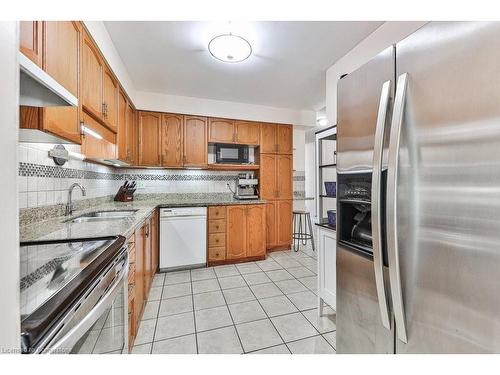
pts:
pixel 140 184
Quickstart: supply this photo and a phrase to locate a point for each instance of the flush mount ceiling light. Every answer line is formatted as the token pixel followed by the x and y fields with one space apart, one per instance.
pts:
pixel 230 48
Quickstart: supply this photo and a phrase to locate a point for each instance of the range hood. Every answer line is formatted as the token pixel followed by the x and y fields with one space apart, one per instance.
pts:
pixel 38 89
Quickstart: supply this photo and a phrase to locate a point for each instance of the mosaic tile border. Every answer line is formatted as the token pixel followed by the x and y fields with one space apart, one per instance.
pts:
pixel 50 171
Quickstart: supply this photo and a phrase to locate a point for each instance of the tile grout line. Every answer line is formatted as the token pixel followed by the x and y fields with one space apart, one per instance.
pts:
pixel 194 314
pixel 229 310
pixel 265 312
pixel 247 285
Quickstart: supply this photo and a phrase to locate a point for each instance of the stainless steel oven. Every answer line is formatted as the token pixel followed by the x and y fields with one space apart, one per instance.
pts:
pixel 95 321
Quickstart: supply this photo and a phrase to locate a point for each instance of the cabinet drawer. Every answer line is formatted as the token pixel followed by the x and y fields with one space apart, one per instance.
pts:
pixel 217 226
pixel 217 212
pixel 217 240
pixel 216 253
pixel 131 254
pixel 131 273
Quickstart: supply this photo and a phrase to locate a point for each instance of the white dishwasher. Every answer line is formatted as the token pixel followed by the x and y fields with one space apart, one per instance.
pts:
pixel 183 238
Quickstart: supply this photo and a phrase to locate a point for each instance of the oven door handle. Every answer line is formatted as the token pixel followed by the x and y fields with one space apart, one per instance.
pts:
pixel 69 340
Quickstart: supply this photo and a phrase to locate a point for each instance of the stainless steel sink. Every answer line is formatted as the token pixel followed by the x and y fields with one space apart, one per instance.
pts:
pixel 101 216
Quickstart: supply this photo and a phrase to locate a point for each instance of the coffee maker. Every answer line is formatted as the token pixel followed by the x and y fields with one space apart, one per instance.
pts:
pixel 246 187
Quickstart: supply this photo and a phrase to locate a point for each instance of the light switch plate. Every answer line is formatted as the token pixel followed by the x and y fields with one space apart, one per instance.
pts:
pixel 140 184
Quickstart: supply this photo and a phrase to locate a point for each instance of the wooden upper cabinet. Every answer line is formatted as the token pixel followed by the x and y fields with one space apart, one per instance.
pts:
pixel 221 130
pixel 284 220
pixel 95 148
pixel 195 142
pixel 256 230
pixel 91 78
pixel 247 132
pixel 285 139
pixel 268 179
pixel 110 100
pixel 171 140
pixel 268 138
pixel 236 235
pixel 149 144
pixel 61 52
pixel 30 40
pixel 131 135
pixel 122 128
pixel 59 56
pixel 284 176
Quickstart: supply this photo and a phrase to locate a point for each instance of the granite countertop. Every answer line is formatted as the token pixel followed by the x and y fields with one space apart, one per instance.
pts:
pixel 56 228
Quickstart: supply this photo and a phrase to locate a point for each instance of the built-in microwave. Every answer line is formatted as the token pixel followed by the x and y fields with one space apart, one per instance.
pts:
pixel 231 154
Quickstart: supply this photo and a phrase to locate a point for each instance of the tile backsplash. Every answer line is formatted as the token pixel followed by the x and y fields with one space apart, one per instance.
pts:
pixel 41 182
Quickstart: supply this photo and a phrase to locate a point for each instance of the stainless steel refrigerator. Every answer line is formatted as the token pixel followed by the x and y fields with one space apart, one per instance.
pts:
pixel 418 202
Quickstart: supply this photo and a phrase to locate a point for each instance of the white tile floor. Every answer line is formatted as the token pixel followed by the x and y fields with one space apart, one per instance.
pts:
pixel 267 306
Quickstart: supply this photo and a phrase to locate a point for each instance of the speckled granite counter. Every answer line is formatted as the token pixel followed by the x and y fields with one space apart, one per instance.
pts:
pixel 55 228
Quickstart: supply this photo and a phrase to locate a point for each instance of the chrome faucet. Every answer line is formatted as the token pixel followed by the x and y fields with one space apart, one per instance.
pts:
pixel 70 207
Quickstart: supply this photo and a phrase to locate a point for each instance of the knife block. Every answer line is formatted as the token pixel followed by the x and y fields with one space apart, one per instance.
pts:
pixel 124 195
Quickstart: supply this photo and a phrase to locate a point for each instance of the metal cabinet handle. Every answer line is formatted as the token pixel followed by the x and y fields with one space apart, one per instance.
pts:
pixel 392 225
pixel 378 263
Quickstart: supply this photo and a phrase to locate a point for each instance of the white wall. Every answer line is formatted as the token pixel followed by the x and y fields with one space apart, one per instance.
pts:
pixel 387 34
pixel 9 227
pixel 218 108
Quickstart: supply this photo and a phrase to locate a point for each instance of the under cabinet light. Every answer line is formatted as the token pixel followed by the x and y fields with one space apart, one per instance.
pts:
pixel 91 132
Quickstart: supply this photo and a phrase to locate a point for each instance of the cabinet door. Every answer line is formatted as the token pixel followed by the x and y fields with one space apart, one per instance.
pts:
pixel 268 179
pixel 195 141
pixel 61 60
pixel 91 78
pixel 236 222
pixel 221 130
pixel 30 40
pixel 285 176
pixel 155 243
pixel 271 224
pixel 122 127
pixel 147 257
pixel 256 230
pixel 61 52
pixel 139 273
pixel 131 135
pixel 284 222
pixel 285 139
pixel 171 140
pixel 110 99
pixel 268 139
pixel 247 133
pixel 149 131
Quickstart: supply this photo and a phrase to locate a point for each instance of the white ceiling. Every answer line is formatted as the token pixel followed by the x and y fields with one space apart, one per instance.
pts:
pixel 287 68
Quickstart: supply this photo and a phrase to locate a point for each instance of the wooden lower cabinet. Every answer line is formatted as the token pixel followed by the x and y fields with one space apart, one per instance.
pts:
pixel 246 231
pixel 279 224
pixel 236 233
pixel 143 264
pixel 256 231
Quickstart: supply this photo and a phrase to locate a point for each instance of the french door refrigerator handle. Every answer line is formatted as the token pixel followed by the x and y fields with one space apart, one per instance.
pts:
pixel 378 262
pixel 392 226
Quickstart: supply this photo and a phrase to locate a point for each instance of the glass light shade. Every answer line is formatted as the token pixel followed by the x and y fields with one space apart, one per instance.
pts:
pixel 230 48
